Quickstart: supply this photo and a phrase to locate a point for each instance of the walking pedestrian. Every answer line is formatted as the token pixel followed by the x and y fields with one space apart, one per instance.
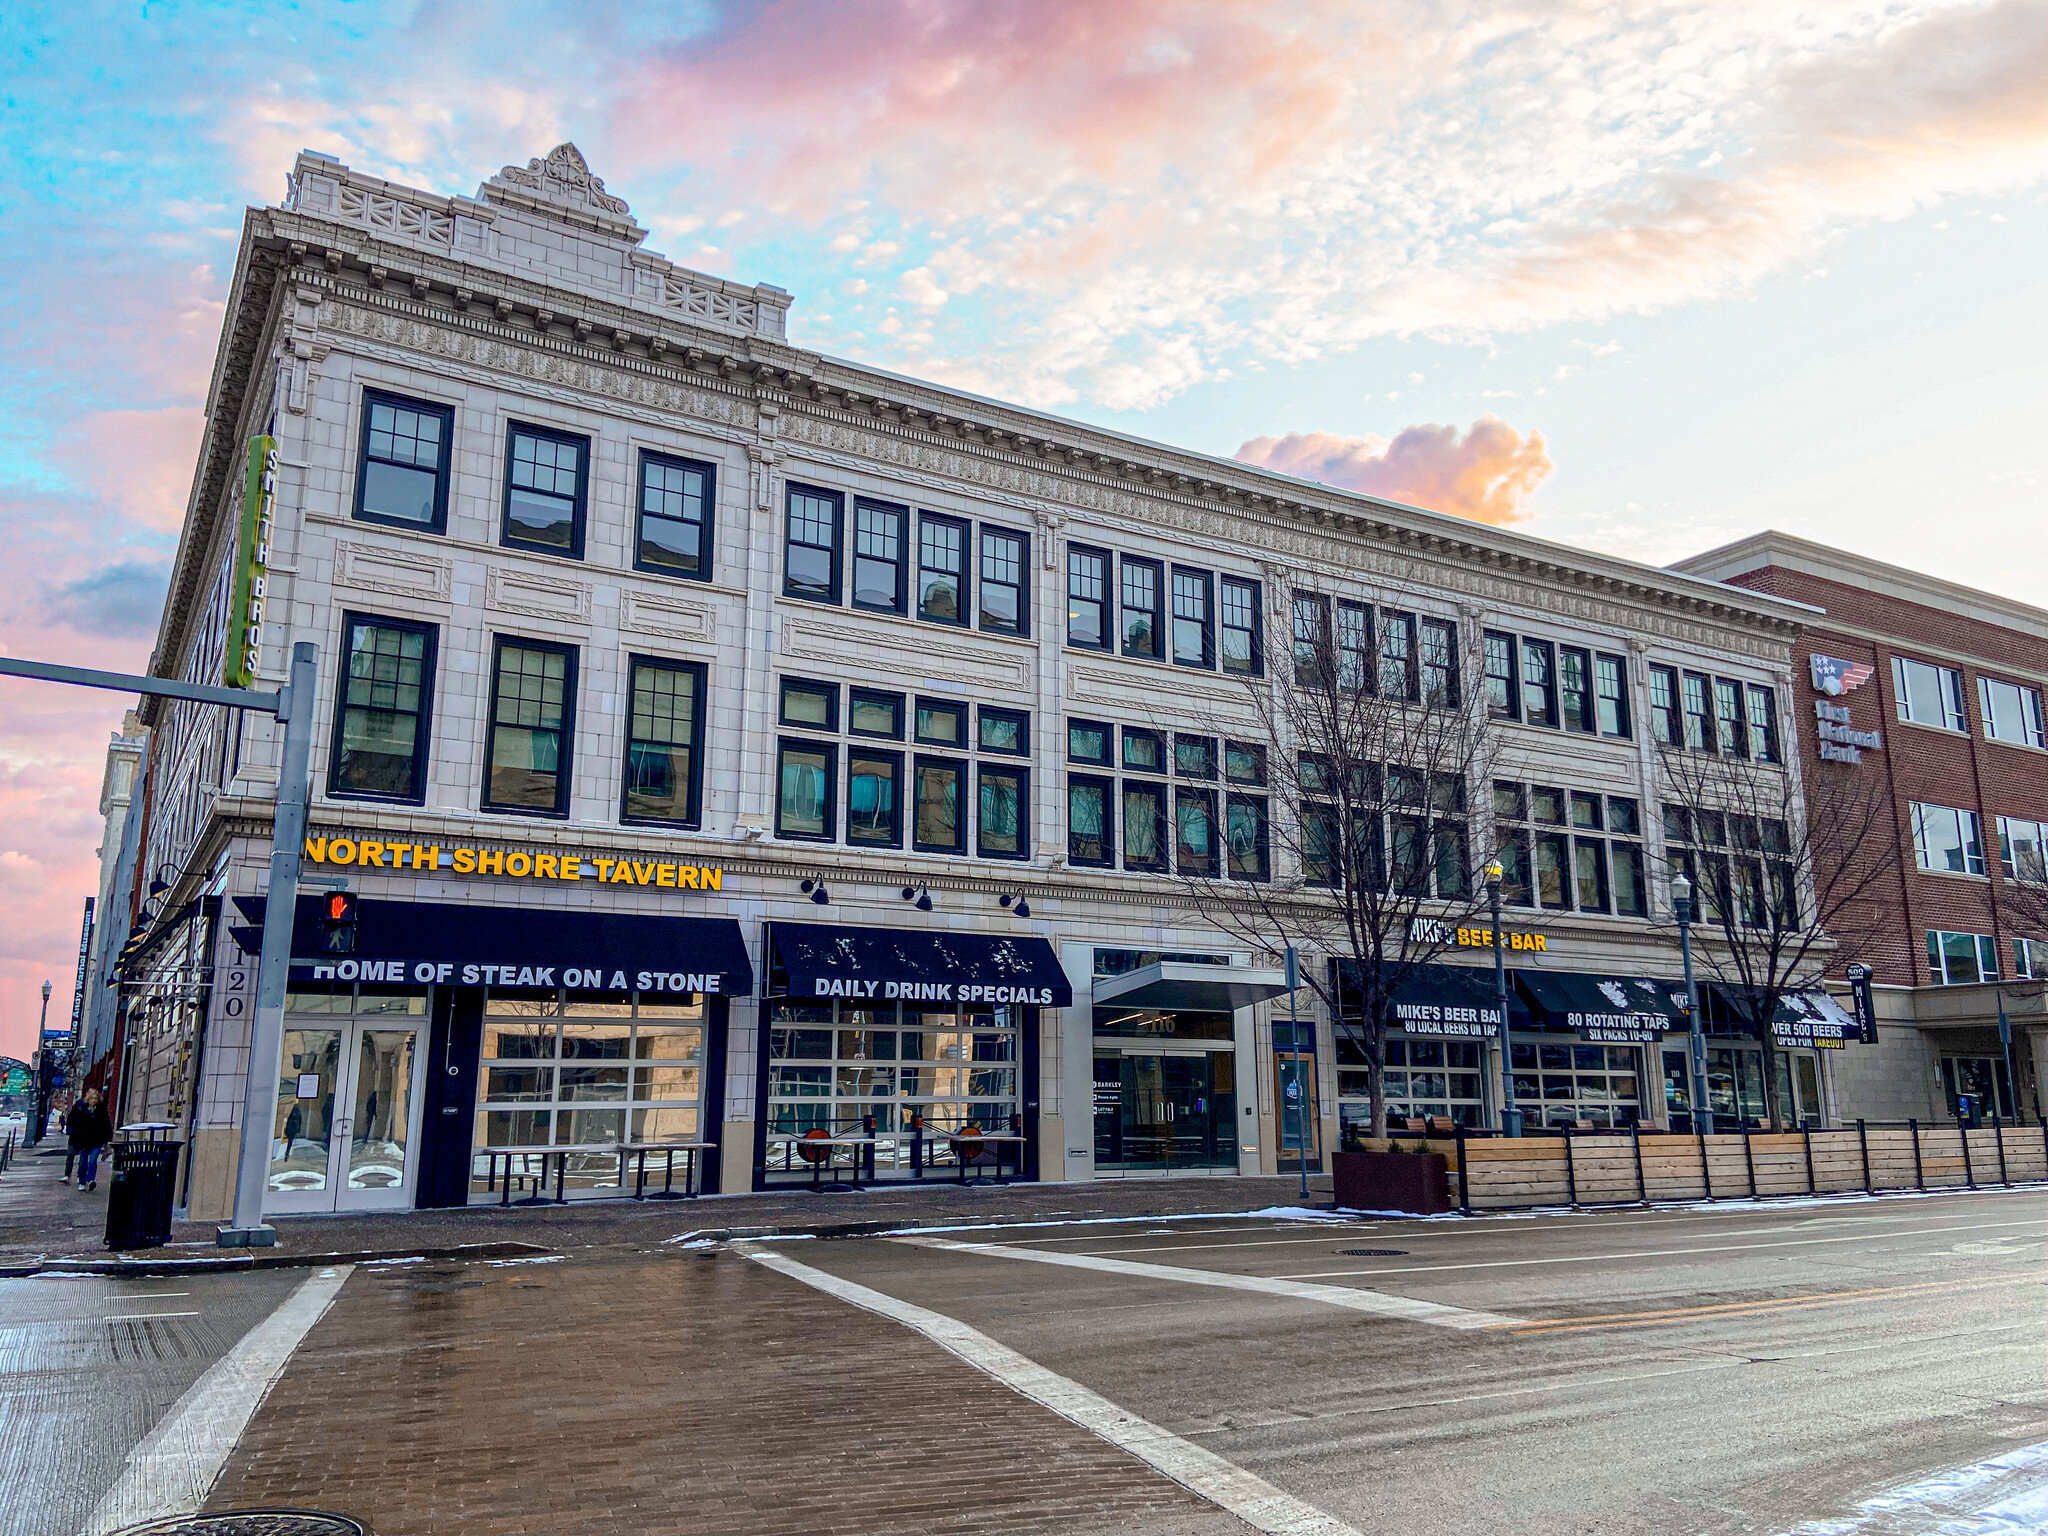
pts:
pixel 86 1130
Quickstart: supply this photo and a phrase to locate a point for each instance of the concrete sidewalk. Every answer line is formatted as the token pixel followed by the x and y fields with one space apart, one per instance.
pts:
pixel 47 1230
pixel 43 1212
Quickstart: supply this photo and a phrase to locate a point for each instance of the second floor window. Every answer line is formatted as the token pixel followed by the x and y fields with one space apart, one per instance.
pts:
pixel 403 478
pixel 2011 712
pixel 1194 635
pixel 544 490
pixel 1948 839
pixel 663 770
pixel 533 694
pixel 386 707
pixel 675 517
pixel 1958 959
pixel 879 534
pixel 2020 849
pixel 811 562
pixel 1004 560
pixel 941 569
pixel 1087 598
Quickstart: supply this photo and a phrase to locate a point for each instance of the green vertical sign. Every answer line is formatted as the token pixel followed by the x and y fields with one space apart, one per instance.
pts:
pixel 244 651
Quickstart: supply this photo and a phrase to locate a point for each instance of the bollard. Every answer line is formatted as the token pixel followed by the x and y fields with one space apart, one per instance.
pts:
pixel 1863 1146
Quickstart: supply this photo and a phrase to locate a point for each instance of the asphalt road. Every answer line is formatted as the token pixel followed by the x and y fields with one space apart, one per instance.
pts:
pixel 88 1366
pixel 1683 1372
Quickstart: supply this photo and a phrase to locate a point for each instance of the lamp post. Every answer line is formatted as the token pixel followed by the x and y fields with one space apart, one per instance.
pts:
pixel 1510 1117
pixel 45 1070
pixel 1681 908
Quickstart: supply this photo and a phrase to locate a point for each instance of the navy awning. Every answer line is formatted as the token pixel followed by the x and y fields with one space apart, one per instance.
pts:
pixel 913 965
pixel 1618 1009
pixel 415 942
pixel 1455 1001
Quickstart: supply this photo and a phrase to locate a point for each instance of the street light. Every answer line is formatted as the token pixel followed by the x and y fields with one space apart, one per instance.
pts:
pixel 1681 908
pixel 1510 1117
pixel 45 1070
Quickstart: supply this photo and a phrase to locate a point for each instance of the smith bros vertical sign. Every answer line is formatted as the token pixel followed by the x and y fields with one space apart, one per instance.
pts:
pixel 244 650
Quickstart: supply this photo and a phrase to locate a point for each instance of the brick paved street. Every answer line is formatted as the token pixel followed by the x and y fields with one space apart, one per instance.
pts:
pixel 690 1393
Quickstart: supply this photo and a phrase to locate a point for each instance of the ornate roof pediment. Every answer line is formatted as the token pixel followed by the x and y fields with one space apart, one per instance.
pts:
pixel 563 184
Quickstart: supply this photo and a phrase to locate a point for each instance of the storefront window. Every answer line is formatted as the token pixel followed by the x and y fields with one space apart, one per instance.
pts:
pixel 1425 1080
pixel 831 1066
pixel 1571 1083
pixel 588 1074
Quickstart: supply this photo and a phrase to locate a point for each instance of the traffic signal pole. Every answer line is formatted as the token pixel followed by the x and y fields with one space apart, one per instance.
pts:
pixel 293 706
pixel 247 1229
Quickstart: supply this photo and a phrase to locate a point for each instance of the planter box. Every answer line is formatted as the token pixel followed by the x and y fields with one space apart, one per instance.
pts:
pixel 1393 1181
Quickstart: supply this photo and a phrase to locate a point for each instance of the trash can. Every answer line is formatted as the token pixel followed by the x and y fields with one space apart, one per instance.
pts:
pixel 139 1198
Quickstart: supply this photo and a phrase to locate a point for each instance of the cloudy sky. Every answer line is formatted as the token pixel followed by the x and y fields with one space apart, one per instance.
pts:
pixel 1634 276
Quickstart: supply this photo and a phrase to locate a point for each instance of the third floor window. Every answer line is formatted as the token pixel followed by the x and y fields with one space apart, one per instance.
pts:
pixel 403 477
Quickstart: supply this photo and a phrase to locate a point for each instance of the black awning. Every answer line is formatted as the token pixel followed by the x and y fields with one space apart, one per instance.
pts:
pixel 1617 1009
pixel 415 942
pixel 1456 1001
pixel 887 964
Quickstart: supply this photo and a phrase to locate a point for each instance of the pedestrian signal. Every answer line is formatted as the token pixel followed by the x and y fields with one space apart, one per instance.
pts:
pixel 338 924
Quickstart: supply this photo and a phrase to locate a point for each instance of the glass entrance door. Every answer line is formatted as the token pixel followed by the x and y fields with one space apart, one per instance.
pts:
pixel 1166 1111
pixel 346 1128
pixel 1295 1092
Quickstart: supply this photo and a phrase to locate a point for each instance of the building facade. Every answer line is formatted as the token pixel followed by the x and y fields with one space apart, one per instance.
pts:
pixel 1931 694
pixel 738 747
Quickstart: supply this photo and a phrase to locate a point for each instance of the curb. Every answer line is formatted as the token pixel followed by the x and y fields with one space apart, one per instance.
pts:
pixel 247 1261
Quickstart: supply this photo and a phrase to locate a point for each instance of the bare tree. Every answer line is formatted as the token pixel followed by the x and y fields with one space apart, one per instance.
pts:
pixel 1783 883
pixel 1347 826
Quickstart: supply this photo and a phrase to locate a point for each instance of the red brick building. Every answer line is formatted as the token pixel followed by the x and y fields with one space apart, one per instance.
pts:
pixel 1935 692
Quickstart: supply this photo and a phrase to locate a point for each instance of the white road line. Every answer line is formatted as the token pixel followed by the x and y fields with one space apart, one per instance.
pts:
pixel 2005 1496
pixel 1663 1253
pixel 1352 1298
pixel 1223 1483
pixel 173 1469
pixel 145 1317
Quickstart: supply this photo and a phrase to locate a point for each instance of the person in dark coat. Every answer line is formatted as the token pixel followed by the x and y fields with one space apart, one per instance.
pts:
pixel 86 1130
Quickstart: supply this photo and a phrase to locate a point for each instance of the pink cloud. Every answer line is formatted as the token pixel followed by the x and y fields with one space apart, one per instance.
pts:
pixel 1487 475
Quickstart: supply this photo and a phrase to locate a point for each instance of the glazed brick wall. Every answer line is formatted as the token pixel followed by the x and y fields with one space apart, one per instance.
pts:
pixel 1924 763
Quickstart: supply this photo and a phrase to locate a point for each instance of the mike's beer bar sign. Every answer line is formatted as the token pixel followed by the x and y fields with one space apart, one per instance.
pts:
pixel 515 864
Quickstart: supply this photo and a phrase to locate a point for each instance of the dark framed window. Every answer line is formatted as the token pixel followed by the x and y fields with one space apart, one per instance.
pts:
pixel 1355 669
pixel 1090 824
pixel 665 723
pixel 1144 751
pixel 1143 586
pixel 1699 713
pixel 1553 871
pixel 1547 805
pixel 533 722
pixel 676 501
pixel 874 800
pixel 1589 856
pixel 942 596
pixel 1244 762
pixel 880 535
pixel 402 478
pixel 1503 677
pixel 1005 562
pixel 1089 741
pixel 1631 891
pixel 806 790
pixel 1243 640
pixel 1194 831
pixel 1087 597
pixel 938 824
pixel 1440 684
pixel 1624 816
pixel 1517 886
pixel 1731 719
pixel 871 712
pixel 384 717
pixel 1763 724
pixel 809 704
pixel 941 723
pixel 1002 824
pixel 810 566
pixel 1453 855
pixel 1539 682
pixel 1322 846
pixel 1246 837
pixel 1610 695
pixel 1194 757
pixel 1003 730
pixel 1194 619
pixel 1313 656
pixel 1397 656
pixel 546 473
pixel 1575 689
pixel 1510 802
pixel 1665 726
pixel 1144 826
